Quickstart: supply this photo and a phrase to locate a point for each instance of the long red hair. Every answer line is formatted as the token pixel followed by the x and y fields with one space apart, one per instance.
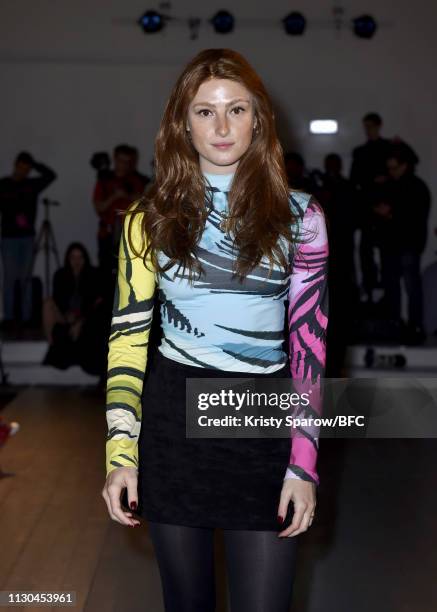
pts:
pixel 175 204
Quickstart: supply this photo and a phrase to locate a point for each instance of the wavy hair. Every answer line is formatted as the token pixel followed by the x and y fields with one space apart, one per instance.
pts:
pixel 176 204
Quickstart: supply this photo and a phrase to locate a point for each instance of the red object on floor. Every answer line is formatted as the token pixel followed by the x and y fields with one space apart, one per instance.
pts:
pixel 5 430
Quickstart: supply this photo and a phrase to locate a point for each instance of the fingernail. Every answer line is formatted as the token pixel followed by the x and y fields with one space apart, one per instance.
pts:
pixel 280 519
pixel 133 505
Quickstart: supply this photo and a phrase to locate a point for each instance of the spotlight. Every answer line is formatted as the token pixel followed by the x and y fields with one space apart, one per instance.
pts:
pixel 323 126
pixel 223 22
pixel 294 24
pixel 364 26
pixel 151 22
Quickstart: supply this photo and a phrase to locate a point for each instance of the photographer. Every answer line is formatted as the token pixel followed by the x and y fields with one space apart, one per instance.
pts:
pixel 18 207
pixel 114 190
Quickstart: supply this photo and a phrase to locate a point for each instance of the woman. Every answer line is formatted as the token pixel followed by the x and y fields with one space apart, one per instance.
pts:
pixel 220 235
pixel 71 315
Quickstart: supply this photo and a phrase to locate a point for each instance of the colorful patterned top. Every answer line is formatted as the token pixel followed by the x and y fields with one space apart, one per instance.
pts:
pixel 220 323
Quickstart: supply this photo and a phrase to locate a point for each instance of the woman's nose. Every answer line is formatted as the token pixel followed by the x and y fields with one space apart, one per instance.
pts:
pixel 222 127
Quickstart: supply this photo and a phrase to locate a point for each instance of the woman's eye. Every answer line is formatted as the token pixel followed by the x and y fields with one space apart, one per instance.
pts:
pixel 206 110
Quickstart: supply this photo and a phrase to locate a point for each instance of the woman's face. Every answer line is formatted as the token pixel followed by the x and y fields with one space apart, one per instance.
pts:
pixel 76 260
pixel 221 112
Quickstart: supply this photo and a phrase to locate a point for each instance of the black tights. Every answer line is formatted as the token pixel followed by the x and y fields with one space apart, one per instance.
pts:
pixel 260 568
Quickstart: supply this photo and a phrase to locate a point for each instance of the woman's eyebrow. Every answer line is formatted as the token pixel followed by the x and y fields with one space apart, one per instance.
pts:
pixel 228 104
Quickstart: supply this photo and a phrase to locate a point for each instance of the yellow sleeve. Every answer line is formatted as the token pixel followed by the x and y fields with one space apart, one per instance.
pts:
pixel 127 350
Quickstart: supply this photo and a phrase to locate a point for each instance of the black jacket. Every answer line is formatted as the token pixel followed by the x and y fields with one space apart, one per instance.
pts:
pixel 69 293
pixel 411 204
pixel 18 202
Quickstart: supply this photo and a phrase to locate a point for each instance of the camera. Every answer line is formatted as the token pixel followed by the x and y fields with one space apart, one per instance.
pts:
pixel 101 162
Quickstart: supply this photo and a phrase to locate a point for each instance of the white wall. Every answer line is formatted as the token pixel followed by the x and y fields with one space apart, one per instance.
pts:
pixel 80 77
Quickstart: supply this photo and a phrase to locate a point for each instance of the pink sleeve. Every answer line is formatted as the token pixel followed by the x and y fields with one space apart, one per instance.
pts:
pixel 307 323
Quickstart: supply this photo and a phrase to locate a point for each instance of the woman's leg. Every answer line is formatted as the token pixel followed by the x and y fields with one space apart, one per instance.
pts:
pixel 9 248
pixel 50 316
pixel 185 557
pixel 261 570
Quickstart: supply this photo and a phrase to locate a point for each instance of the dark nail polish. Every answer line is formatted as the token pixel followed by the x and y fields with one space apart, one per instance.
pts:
pixel 280 519
pixel 133 505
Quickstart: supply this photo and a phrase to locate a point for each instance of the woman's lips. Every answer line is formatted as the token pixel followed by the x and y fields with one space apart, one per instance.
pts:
pixel 223 146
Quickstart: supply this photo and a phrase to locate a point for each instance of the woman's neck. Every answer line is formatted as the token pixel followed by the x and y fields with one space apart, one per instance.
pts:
pixel 221 181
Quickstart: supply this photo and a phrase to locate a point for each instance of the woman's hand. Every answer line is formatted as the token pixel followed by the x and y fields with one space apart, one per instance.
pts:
pixel 116 482
pixel 75 329
pixel 303 495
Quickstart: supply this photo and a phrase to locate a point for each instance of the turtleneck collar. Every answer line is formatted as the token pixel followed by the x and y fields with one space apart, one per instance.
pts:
pixel 222 182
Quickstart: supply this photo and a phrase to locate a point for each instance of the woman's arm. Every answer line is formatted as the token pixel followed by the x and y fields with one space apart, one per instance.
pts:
pixel 101 205
pixel 127 355
pixel 308 318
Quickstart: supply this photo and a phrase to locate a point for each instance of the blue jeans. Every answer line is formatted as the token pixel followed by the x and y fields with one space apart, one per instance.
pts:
pixel 16 256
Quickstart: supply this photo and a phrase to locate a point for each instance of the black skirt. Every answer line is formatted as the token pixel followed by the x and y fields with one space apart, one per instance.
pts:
pixel 227 483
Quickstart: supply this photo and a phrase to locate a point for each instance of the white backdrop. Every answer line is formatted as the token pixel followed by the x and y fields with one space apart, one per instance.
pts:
pixel 80 77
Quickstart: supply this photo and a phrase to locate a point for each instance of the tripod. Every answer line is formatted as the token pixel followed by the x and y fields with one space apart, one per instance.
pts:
pixel 46 242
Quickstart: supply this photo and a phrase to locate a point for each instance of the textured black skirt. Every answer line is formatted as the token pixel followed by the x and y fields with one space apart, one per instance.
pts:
pixel 228 483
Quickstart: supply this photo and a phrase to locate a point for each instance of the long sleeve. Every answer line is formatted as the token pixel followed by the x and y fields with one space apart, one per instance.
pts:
pixel 308 318
pixel 127 355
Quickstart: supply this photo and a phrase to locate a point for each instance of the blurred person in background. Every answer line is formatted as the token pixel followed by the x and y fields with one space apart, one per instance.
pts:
pixel 368 170
pixel 115 190
pixel 337 197
pixel 18 208
pixel 72 316
pixel 296 173
pixel 369 159
pixel 404 211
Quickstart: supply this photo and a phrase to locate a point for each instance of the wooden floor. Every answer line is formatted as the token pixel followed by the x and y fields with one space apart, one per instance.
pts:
pixel 372 547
